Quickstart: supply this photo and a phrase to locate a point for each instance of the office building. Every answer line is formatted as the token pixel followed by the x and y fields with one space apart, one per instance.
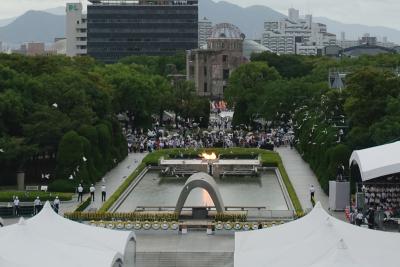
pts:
pixel 121 28
pixel 76 30
pixel 296 35
pixel 205 28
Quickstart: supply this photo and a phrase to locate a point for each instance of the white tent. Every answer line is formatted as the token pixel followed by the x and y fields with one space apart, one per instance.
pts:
pixel 377 161
pixel 48 236
pixel 316 240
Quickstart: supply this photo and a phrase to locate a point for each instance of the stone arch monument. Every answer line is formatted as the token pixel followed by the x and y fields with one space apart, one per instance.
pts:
pixel 205 181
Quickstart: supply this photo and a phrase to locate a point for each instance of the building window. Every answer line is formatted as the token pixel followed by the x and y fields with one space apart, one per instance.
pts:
pixel 225 75
pixel 224 58
pixel 205 88
pixel 205 71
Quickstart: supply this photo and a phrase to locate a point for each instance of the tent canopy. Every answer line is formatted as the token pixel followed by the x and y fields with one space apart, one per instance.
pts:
pixel 377 161
pixel 50 239
pixel 316 240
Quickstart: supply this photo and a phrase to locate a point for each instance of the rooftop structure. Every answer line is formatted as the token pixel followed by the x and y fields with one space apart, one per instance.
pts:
pixel 226 31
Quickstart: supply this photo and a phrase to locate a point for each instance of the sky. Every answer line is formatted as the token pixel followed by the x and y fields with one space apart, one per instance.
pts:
pixel 367 12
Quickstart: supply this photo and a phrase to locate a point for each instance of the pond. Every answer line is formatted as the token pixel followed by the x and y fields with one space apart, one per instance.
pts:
pixel 157 191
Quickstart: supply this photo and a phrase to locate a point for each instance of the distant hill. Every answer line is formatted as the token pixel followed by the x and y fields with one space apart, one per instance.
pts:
pixel 44 26
pixel 4 22
pixel 33 26
pixel 56 10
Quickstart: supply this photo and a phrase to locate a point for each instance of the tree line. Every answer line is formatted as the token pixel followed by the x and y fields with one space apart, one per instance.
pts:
pixel 58 114
pixel 328 123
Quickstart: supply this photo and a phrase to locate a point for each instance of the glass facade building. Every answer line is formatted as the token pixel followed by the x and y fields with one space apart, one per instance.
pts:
pixel 117 29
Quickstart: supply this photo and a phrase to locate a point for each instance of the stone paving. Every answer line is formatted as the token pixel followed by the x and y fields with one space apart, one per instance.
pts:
pixel 114 178
pixel 302 177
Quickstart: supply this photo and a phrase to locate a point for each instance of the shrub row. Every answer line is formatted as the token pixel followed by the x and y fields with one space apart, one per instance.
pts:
pixel 84 204
pixel 27 196
pixel 121 189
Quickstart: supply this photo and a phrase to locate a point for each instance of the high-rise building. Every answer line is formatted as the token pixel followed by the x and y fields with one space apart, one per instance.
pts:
pixel 121 28
pixel 296 35
pixel 342 36
pixel 76 30
pixel 205 28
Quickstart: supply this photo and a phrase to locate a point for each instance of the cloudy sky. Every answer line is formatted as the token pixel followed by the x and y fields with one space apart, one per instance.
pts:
pixel 368 12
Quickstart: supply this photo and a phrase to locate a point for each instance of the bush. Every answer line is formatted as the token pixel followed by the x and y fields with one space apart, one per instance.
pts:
pixel 62 186
pixel 30 196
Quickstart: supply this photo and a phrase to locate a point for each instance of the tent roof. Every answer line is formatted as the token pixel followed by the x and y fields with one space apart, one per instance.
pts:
pixel 316 240
pixel 377 161
pixel 48 238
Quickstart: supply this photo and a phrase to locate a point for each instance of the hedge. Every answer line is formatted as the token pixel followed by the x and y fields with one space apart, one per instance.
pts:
pixel 84 204
pixel 121 189
pixel 268 159
pixel 28 196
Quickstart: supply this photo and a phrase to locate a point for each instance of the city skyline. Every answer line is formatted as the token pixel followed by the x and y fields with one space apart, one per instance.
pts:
pixel 338 10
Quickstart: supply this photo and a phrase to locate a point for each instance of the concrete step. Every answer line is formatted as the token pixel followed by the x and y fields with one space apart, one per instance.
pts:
pixel 184 259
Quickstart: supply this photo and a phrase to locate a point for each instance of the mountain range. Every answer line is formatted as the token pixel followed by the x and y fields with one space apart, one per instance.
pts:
pixel 44 26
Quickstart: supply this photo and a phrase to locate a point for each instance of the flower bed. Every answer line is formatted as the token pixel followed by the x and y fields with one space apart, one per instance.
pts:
pixel 231 217
pixel 129 216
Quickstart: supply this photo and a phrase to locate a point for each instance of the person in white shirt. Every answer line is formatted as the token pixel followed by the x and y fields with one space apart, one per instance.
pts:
pixel 103 193
pixel 16 206
pixel 80 192
pixel 92 190
pixel 359 218
pixel 56 204
pixel 312 192
pixel 36 206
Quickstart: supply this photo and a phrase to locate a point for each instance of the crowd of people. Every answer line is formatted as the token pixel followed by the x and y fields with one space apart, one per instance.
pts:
pixel 382 196
pixel 219 134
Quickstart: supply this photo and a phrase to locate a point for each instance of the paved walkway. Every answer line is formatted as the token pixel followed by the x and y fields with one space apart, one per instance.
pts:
pixel 114 178
pixel 302 177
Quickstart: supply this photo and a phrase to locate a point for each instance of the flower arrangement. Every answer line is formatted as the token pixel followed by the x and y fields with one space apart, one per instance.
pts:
pixel 231 217
pixel 130 216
